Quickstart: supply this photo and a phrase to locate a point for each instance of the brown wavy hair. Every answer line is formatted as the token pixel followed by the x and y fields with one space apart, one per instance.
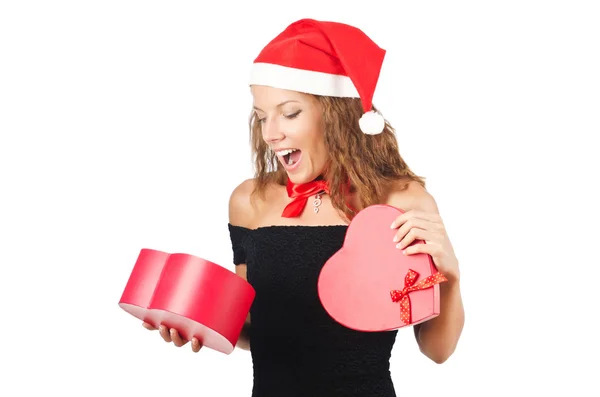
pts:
pixel 368 162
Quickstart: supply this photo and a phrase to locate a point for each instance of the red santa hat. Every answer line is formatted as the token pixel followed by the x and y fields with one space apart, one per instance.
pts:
pixel 324 58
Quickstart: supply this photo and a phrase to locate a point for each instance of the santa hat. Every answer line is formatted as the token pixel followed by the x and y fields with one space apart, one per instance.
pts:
pixel 324 58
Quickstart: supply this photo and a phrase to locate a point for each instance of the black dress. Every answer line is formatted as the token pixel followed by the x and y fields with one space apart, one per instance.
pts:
pixel 296 348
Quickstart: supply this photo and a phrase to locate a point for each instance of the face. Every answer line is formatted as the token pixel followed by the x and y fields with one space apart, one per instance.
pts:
pixel 291 126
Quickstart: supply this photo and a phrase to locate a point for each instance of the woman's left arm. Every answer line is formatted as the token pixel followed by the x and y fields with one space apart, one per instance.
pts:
pixel 437 338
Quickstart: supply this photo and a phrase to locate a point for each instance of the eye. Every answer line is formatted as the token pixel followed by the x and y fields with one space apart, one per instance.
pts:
pixel 293 115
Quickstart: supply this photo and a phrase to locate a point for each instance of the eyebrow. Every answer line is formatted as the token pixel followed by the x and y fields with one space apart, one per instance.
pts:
pixel 280 105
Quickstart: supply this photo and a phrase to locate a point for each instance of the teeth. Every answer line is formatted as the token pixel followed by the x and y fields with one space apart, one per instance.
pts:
pixel 284 152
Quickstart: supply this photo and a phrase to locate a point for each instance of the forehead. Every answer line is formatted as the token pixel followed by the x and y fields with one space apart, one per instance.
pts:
pixel 269 97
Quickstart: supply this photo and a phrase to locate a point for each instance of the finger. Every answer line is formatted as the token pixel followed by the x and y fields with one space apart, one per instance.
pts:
pixel 410 224
pixel 196 345
pixel 148 326
pixel 177 339
pixel 164 332
pixel 413 235
pixel 414 214
pixel 430 249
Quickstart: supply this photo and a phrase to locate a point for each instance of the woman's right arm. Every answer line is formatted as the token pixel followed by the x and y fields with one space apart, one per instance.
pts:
pixel 242 213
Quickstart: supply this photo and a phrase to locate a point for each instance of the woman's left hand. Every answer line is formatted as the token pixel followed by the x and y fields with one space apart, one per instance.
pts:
pixel 418 225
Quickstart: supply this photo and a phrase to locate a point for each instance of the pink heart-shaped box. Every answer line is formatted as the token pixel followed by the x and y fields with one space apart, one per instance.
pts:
pixel 355 284
pixel 197 297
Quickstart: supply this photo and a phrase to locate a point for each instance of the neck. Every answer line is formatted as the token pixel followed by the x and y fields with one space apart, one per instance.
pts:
pixel 318 178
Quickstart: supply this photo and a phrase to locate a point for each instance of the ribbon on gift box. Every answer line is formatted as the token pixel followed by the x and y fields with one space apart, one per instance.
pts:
pixel 409 286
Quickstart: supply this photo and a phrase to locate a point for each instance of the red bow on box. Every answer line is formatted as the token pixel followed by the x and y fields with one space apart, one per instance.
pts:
pixel 409 286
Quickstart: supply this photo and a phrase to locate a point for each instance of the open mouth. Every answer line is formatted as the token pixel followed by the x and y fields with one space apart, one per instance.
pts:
pixel 290 157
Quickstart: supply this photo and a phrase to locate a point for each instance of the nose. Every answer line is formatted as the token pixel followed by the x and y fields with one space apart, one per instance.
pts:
pixel 271 130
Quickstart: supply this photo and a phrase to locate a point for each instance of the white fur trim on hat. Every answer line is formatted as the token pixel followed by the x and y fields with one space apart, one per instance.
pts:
pixel 307 81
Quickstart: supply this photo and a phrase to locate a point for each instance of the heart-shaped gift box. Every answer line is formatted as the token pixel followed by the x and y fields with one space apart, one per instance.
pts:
pixel 197 297
pixel 370 285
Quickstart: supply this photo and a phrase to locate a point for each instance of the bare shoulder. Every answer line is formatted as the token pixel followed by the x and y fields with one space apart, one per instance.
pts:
pixel 242 210
pixel 247 209
pixel 411 195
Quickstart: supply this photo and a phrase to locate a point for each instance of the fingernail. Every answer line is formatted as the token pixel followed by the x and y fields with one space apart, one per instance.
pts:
pixel 399 246
pixel 392 225
pixel 395 240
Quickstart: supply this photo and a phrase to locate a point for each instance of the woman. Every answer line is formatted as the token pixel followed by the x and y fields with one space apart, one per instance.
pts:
pixel 323 153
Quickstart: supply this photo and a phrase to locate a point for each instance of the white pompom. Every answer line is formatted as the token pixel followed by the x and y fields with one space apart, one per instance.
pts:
pixel 372 123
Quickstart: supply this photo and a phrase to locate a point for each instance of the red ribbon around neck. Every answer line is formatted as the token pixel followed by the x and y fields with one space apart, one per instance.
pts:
pixel 409 286
pixel 300 194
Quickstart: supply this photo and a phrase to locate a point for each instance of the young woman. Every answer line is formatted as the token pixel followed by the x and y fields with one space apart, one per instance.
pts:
pixel 322 153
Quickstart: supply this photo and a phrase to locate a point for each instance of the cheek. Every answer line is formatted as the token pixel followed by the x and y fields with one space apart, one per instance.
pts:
pixel 318 151
pixel 317 136
pixel 309 135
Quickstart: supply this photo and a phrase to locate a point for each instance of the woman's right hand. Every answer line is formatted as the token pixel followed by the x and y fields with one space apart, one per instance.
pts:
pixel 171 335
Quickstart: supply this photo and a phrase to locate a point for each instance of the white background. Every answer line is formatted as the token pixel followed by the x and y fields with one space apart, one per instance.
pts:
pixel 123 125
